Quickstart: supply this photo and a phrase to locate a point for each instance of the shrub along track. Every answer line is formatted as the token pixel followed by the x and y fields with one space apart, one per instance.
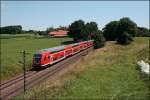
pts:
pixel 15 86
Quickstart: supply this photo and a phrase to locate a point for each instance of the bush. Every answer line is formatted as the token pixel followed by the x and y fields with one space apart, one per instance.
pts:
pixel 99 40
pixel 143 32
pixel 126 30
pixel 124 38
pixel 127 25
pixel 110 31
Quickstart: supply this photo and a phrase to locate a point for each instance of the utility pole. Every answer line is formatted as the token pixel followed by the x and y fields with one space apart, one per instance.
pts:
pixel 23 62
pixel 24 69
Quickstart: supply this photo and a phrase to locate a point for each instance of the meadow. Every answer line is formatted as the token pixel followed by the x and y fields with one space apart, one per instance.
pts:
pixel 13 45
pixel 107 73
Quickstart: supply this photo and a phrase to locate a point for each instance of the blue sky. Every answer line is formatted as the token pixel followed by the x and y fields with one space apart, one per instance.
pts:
pixel 39 15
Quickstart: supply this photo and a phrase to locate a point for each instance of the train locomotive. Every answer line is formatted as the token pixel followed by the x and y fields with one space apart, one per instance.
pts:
pixel 49 56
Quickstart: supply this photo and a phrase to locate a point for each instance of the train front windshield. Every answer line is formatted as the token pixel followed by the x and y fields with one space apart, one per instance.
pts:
pixel 37 58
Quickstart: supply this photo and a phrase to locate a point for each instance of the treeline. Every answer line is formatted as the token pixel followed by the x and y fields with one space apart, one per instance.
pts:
pixel 125 27
pixel 11 29
pixel 50 29
pixel 143 32
pixel 110 30
pixel 17 29
pixel 122 31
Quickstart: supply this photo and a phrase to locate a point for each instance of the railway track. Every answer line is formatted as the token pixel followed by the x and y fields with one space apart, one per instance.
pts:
pixel 15 86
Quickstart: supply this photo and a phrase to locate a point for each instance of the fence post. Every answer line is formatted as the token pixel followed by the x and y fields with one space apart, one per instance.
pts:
pixel 24 69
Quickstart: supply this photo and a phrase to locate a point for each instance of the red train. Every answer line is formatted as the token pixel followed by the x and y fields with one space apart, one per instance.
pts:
pixel 49 56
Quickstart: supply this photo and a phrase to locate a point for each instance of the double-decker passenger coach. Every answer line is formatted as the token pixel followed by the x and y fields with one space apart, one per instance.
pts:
pixel 48 56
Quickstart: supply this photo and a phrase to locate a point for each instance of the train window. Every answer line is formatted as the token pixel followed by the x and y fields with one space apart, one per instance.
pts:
pixel 37 55
pixel 48 57
pixel 37 58
pixel 54 58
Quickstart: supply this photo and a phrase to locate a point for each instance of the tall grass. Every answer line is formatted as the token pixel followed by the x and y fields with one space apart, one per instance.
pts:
pixel 109 73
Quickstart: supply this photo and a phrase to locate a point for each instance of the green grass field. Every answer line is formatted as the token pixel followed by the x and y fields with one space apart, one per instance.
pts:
pixel 12 45
pixel 110 73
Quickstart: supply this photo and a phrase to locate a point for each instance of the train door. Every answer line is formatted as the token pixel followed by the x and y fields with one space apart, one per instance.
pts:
pixel 46 59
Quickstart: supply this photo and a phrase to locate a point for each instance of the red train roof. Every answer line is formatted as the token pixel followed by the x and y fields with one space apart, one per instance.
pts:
pixel 59 48
pixel 54 49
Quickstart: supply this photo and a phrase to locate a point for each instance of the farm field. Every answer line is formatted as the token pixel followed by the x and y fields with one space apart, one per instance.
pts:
pixel 107 73
pixel 12 45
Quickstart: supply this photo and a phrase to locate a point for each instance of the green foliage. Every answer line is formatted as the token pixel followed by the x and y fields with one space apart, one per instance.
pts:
pixel 62 28
pixel 143 32
pixel 28 31
pixel 81 31
pixel 42 33
pixel 127 25
pixel 75 30
pixel 92 28
pixel 124 38
pixel 85 34
pixel 126 30
pixel 110 31
pixel 99 40
pixel 123 30
pixel 50 29
pixel 11 29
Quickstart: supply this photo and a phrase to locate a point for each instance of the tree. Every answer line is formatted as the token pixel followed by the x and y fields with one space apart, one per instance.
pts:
pixel 125 24
pixel 50 29
pixel 124 38
pixel 99 40
pixel 80 31
pixel 11 29
pixel 143 32
pixel 127 29
pixel 92 28
pixel 110 31
pixel 88 31
pixel 41 33
pixel 30 31
pixel 75 30
pixel 85 34
pixel 62 28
